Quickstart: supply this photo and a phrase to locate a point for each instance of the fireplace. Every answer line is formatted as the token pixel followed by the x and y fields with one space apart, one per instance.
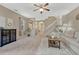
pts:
pixel 7 36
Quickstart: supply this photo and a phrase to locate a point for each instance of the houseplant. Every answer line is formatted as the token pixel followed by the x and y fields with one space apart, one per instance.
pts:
pixel 28 31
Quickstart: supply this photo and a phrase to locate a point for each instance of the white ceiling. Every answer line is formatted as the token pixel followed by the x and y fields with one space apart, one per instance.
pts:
pixel 26 9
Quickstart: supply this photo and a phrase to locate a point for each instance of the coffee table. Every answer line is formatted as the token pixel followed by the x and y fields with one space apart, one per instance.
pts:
pixel 54 42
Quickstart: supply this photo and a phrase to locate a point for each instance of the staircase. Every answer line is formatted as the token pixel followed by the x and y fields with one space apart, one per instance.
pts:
pixel 51 27
pixel 70 43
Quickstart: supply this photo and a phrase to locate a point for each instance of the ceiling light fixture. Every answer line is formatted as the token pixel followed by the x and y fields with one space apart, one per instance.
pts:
pixel 42 7
pixel 41 10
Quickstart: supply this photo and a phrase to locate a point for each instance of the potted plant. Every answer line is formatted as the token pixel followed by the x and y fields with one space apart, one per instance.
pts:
pixel 28 31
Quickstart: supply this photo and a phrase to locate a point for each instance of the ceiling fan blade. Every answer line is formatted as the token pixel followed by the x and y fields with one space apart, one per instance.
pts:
pixel 46 4
pixel 46 9
pixel 36 5
pixel 36 9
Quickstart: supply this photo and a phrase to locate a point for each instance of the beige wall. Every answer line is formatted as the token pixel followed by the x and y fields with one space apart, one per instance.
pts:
pixel 71 17
pixel 12 15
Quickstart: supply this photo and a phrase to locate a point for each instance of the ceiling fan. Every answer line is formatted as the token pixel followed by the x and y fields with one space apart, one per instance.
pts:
pixel 42 7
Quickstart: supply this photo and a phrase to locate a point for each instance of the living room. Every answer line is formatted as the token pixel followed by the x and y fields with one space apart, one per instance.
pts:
pixel 39 28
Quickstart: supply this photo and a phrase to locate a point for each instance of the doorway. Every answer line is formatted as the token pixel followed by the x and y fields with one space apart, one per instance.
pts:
pixel 39 27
